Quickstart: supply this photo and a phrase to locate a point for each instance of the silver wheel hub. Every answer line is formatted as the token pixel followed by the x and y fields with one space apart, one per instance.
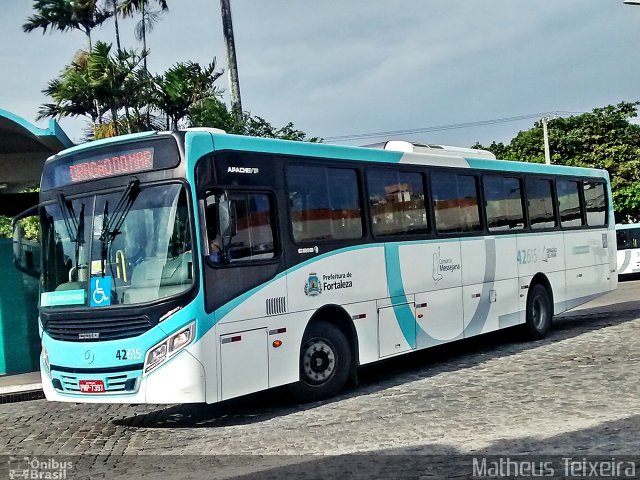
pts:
pixel 318 361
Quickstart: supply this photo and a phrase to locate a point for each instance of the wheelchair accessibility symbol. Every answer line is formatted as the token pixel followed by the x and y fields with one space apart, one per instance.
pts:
pixel 101 291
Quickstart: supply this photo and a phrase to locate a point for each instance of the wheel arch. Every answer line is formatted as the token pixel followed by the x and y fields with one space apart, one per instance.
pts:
pixel 541 279
pixel 338 317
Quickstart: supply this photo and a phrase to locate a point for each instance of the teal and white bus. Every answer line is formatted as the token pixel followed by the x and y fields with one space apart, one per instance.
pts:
pixel 198 266
pixel 628 239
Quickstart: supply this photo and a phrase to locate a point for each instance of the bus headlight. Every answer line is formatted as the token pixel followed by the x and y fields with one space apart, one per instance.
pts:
pixel 161 352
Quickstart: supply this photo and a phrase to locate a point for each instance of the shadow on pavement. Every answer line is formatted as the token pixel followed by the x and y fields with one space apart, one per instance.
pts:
pixel 375 377
pixel 613 442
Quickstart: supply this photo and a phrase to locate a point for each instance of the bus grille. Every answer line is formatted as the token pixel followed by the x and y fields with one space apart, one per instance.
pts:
pixel 119 383
pixel 96 330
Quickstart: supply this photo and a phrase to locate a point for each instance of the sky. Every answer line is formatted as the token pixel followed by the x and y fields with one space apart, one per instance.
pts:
pixel 344 68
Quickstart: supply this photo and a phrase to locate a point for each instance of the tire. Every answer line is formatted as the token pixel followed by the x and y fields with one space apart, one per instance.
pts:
pixel 325 363
pixel 539 312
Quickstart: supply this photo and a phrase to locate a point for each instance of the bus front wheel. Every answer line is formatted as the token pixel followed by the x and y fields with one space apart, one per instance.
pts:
pixel 539 312
pixel 325 361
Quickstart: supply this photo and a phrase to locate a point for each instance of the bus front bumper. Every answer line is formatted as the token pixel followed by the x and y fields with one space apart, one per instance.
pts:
pixel 179 380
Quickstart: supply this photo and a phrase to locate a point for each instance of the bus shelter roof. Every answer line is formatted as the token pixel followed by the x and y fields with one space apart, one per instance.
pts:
pixel 24 148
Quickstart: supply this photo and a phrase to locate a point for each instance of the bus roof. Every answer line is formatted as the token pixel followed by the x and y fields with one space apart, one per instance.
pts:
pixel 374 155
pixel 627 226
pixel 427 155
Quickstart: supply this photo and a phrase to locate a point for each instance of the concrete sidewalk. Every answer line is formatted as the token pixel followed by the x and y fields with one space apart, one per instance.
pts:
pixel 24 386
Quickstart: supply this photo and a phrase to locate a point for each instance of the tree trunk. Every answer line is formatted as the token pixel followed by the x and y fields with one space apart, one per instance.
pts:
pixel 144 51
pixel 227 29
pixel 114 120
pixel 144 31
pixel 115 18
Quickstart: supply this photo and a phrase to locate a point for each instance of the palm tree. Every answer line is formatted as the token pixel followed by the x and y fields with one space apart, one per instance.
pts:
pixel 115 6
pixel 184 86
pixel 149 17
pixel 72 93
pixel 65 15
pixel 100 86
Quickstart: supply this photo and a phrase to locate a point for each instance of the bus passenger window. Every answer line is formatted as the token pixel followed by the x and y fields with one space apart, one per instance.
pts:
pixel 503 197
pixel 540 203
pixel 324 202
pixel 455 200
pixel 595 202
pixel 622 238
pixel 397 202
pixel 569 202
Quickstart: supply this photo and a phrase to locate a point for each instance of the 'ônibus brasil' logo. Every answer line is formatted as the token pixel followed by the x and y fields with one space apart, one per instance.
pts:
pixel 312 288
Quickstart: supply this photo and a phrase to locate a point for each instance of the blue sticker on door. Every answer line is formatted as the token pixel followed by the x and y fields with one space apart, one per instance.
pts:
pixel 101 291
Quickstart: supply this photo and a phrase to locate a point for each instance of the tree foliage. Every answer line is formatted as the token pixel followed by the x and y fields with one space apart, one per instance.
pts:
pixel 214 113
pixel 182 87
pixel 65 15
pixel 604 138
pixel 116 92
pixel 106 88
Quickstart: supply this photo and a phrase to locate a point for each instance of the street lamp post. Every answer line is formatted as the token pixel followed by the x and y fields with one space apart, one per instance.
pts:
pixel 545 132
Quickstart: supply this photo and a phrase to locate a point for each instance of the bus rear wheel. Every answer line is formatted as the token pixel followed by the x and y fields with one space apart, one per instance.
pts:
pixel 539 312
pixel 325 361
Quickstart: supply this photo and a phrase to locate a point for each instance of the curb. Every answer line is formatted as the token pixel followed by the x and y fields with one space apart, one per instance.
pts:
pixel 21 396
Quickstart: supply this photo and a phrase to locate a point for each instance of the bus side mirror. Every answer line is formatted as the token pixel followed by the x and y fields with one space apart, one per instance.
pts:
pixel 26 245
pixel 227 225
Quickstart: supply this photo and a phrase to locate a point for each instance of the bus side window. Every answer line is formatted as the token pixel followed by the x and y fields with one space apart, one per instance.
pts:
pixel 503 202
pixel 214 240
pixel 540 203
pixel 569 203
pixel 595 202
pixel 622 238
pixel 397 202
pixel 324 203
pixel 455 201
pixel 253 235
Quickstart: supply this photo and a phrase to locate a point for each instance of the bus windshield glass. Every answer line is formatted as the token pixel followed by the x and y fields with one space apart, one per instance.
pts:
pixel 127 247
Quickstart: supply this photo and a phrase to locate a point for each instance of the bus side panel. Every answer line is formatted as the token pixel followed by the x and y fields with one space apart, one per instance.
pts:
pixel 587 273
pixel 490 284
pixel 542 253
pixel 355 275
pixel 433 271
pixel 628 261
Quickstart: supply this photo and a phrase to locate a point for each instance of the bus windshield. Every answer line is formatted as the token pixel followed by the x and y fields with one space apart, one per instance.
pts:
pixel 119 248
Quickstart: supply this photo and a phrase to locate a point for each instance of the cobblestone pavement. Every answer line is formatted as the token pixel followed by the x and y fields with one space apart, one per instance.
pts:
pixel 575 392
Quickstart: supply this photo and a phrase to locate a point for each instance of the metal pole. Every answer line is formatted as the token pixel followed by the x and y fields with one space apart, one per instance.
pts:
pixel 547 153
pixel 227 28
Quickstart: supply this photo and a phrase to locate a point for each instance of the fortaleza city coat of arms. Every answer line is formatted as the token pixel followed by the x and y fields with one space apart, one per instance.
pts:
pixel 312 288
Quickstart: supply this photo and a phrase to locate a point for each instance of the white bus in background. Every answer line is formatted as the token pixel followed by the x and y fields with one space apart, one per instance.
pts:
pixel 628 238
pixel 198 266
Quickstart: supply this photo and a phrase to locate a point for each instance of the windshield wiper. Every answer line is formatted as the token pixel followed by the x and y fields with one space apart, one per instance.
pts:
pixel 75 228
pixel 123 207
pixel 103 237
pixel 71 223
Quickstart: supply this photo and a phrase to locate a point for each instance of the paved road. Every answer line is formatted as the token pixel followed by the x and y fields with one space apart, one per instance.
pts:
pixel 576 392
